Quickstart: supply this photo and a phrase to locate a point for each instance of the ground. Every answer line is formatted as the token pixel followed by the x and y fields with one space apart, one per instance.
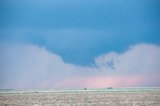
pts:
pixel 81 98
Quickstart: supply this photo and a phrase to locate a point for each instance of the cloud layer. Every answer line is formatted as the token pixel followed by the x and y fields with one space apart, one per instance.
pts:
pixel 29 66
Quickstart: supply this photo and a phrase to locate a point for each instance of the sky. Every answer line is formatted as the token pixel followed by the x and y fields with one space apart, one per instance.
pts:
pixel 79 43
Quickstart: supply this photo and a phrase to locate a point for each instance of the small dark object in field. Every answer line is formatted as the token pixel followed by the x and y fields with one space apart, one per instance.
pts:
pixel 109 88
pixel 85 88
pixel 89 101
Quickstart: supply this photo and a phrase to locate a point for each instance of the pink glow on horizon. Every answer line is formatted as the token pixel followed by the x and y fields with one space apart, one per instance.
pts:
pixel 101 82
pixel 93 82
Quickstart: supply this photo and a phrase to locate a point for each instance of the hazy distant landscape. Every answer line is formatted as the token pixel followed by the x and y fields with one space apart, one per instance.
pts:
pixel 82 97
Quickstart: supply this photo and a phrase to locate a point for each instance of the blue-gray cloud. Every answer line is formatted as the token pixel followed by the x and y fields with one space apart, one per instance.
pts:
pixel 79 46
pixel 80 30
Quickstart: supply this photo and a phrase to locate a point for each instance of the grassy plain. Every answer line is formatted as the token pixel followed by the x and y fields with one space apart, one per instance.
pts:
pixel 82 97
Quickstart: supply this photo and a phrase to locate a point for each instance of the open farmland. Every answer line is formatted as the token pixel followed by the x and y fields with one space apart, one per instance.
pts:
pixel 89 97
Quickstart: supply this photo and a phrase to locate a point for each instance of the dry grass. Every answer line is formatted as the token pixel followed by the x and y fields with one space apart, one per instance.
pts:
pixel 84 98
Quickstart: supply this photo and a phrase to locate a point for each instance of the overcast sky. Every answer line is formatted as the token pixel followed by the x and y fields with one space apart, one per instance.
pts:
pixel 79 43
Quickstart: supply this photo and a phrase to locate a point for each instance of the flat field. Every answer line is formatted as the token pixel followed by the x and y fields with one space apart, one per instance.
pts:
pixel 88 97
